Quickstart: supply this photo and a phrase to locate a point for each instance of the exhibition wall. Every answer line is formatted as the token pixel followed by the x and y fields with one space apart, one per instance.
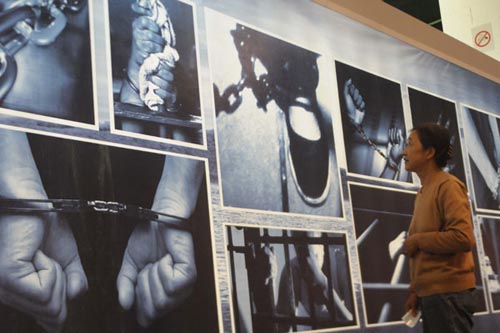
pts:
pixel 225 166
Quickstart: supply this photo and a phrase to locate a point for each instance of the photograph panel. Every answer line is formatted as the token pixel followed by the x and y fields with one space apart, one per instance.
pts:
pixel 154 59
pixel 490 233
pixel 373 123
pixel 482 138
pixel 128 230
pixel 289 279
pixel 382 218
pixel 428 108
pixel 46 59
pixel 274 135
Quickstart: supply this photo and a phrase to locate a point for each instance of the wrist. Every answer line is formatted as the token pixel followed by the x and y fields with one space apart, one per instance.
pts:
pixel 129 92
pixel 357 117
pixel 393 164
pixel 14 188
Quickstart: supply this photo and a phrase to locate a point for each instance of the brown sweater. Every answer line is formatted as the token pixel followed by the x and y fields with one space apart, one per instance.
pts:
pixel 442 220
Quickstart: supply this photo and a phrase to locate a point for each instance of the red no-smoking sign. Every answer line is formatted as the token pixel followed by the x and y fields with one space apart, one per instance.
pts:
pixel 482 38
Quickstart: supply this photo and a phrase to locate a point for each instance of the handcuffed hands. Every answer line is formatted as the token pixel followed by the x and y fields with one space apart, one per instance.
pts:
pixel 147 40
pixel 40 268
pixel 158 271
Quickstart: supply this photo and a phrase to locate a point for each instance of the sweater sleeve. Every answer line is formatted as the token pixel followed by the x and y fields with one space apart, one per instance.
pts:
pixel 456 234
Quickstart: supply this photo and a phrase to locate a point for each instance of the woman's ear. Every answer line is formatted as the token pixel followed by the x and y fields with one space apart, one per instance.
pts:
pixel 430 153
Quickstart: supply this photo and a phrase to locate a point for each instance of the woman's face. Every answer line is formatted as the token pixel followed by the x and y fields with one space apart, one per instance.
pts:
pixel 414 154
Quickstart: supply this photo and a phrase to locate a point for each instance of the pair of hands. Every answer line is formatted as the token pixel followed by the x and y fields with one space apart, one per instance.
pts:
pixel 356 110
pixel 147 40
pixel 40 269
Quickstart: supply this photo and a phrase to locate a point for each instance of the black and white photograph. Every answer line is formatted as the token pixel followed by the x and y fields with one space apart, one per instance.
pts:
pixel 382 218
pixel 284 280
pixel 482 138
pixel 373 123
pixel 223 166
pixel 96 238
pixel 46 61
pixel 274 134
pixel 154 59
pixel 428 108
pixel 490 233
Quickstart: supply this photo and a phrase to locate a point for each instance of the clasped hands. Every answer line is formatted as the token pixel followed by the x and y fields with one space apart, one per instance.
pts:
pixel 40 269
pixel 147 39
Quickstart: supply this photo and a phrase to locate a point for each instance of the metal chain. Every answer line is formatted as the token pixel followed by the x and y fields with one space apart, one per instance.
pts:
pixel 361 131
pixel 30 206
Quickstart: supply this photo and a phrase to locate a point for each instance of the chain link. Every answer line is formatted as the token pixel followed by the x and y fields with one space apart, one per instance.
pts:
pixel 361 131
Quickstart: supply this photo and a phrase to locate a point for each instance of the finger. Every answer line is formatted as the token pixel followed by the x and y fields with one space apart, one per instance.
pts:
pixel 141 10
pixel 347 85
pixel 76 280
pixel 145 23
pixel 178 269
pixel 146 311
pixel 56 311
pixel 166 72
pixel 399 136
pixel 355 93
pixel 440 119
pixel 176 293
pixel 173 277
pixel 162 84
pixel 140 56
pixel 358 98
pixel 54 321
pixel 126 281
pixel 390 135
pixel 148 47
pixel 352 89
pixel 151 36
pixel 61 247
pixel 160 298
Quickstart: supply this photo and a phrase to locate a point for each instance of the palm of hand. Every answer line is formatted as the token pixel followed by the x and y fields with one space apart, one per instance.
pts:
pixel 396 151
pixel 396 143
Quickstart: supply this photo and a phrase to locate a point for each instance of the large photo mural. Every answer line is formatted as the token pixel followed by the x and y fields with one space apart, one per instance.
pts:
pixel 224 166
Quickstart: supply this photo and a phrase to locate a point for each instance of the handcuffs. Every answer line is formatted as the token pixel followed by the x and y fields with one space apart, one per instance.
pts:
pixel 34 206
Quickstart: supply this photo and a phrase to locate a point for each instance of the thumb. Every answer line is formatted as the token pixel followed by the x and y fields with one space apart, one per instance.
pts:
pixel 38 285
pixel 76 280
pixel 126 281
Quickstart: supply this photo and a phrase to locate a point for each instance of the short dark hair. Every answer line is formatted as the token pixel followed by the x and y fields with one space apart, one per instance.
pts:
pixel 435 136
